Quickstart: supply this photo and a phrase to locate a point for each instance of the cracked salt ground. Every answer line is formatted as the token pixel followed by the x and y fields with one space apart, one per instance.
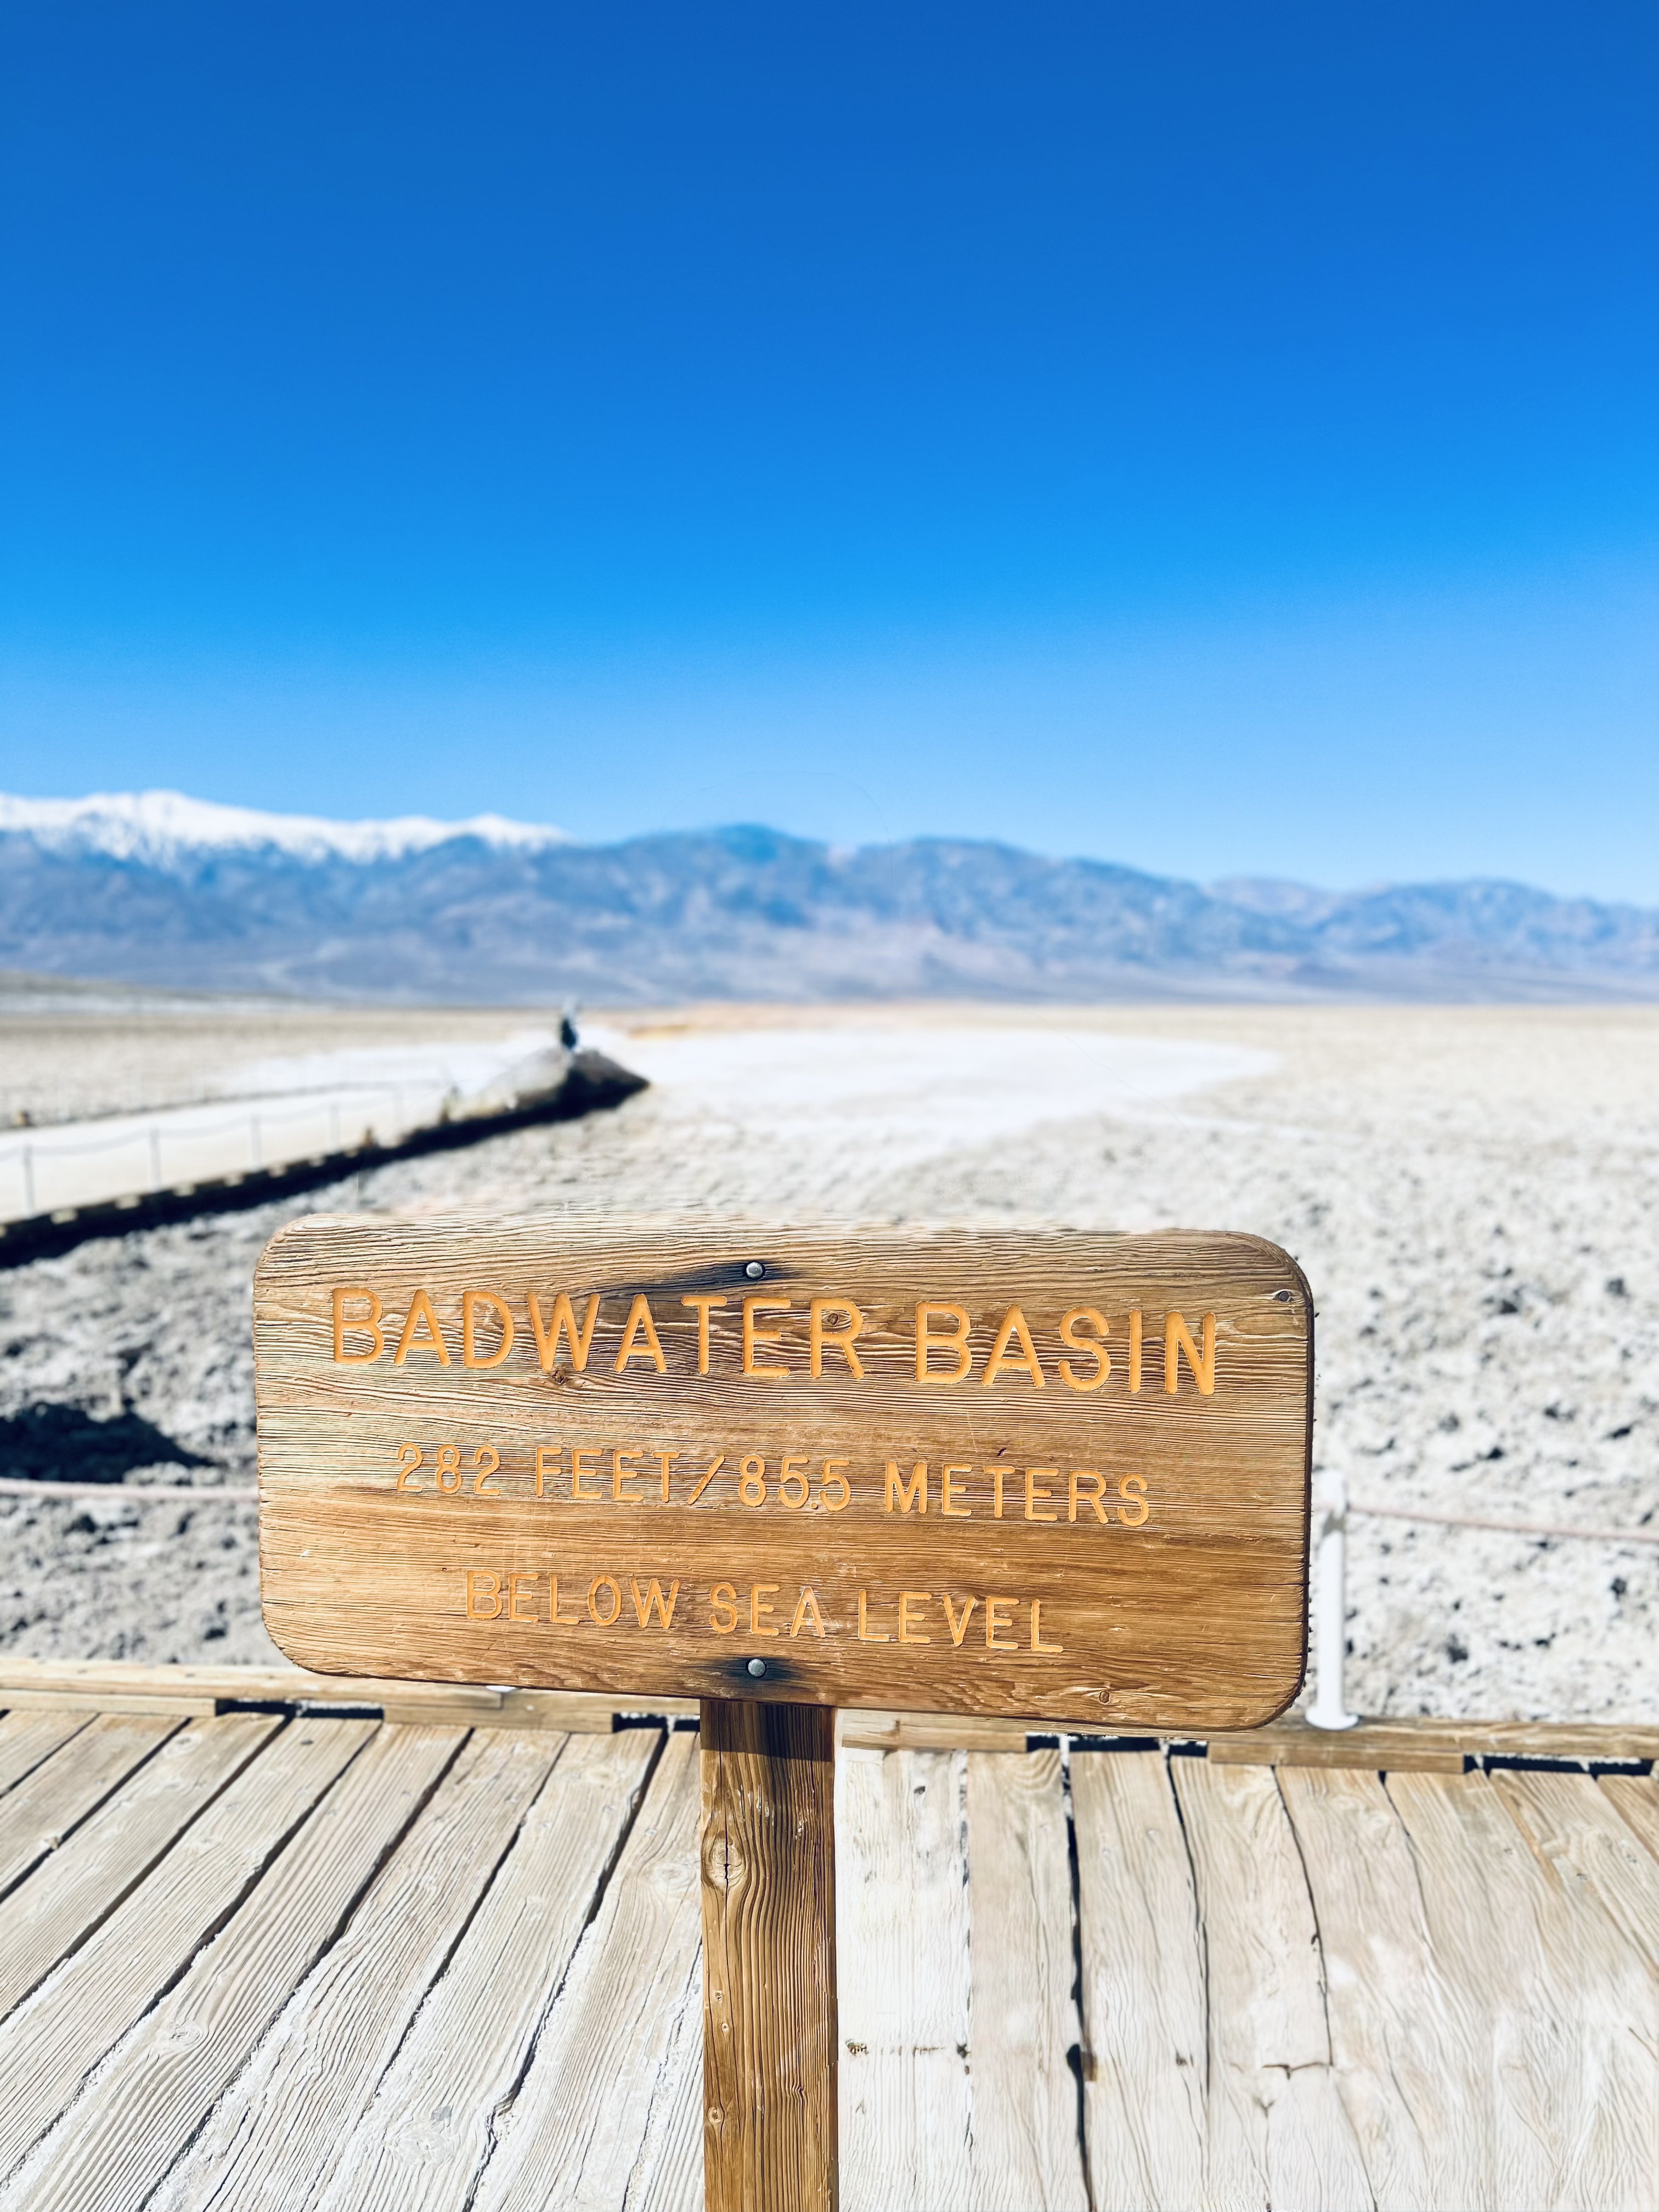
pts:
pixel 1471 1191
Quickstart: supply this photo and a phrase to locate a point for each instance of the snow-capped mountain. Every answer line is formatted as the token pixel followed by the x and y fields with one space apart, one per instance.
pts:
pixel 157 889
pixel 160 828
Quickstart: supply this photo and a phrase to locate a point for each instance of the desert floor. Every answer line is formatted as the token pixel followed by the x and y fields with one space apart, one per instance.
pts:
pixel 1471 1191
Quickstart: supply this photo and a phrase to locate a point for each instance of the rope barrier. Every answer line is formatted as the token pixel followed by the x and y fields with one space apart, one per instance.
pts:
pixel 19 1487
pixel 1510 1528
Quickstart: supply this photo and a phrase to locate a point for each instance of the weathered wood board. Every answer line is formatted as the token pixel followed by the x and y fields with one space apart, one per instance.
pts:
pixel 1052 1473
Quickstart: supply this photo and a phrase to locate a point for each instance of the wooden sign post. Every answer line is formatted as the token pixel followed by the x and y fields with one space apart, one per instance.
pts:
pixel 1051 1474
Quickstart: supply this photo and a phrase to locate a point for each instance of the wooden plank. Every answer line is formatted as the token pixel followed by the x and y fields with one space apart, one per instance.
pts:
pixel 60 1701
pixel 1273 2106
pixel 78 1889
pixel 51 2042
pixel 878 1731
pixel 433 2122
pixel 769 2048
pixel 52 1803
pixel 1400 2042
pixel 132 2122
pixel 1560 2007
pixel 1635 1798
pixel 1023 2018
pixel 1411 1746
pixel 275 2136
pixel 1580 1836
pixel 901 1914
pixel 1058 1473
pixel 27 1738
pixel 1145 2012
pixel 582 2120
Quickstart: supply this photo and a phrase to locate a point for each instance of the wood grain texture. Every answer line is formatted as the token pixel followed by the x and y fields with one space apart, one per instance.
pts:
pixel 277 2134
pixel 1635 1800
pixel 126 2129
pixel 50 1803
pixel 582 2124
pixel 72 1893
pixel 1144 2009
pixel 26 1738
pixel 902 1923
pixel 1121 1557
pixel 1427 1747
pixel 51 2042
pixel 1560 2007
pixel 1023 2018
pixel 1580 1836
pixel 1278 2131
pixel 770 2124
pixel 1399 2038
pixel 437 2112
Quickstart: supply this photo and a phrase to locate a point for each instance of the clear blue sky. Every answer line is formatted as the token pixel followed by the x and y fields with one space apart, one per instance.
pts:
pixel 1219 438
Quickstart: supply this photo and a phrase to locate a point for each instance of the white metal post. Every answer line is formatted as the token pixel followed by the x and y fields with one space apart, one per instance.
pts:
pixel 1329 1708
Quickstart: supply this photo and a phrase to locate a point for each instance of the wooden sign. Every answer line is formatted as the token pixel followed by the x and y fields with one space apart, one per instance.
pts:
pixel 1036 1472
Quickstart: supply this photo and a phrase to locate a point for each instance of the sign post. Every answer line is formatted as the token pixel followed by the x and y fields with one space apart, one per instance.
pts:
pixel 1058 1475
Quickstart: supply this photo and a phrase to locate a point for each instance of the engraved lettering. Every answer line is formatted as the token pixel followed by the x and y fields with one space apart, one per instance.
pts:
pixel 370 1325
pixel 470 1301
pixel 993 1621
pixel 1133 1489
pixel 622 1471
pixel 1025 1359
pixel 420 1311
pixel 409 1456
pixel 818 1335
pixel 547 1462
pixel 664 1460
pixel 449 1468
pixel 722 1599
pixel 1091 1496
pixel 751 1480
pixel 547 1336
pixel 807 1614
pixel 759 1611
pixel 714 1467
pixel 640 1337
pixel 481 1585
pixel 653 1596
pixel 913 1493
pixel 703 1303
pixel 792 1470
pixel 957 1632
pixel 1034 1491
pixel 949 1490
pixel 1177 1338
pixel 581 1463
pixel 485 1461
pixel 1037 1644
pixel 908 1632
pixel 928 1340
pixel 520 1586
pixel 867 1634
pixel 832 1472
pixel 1137 1327
pixel 753 1334
pixel 1095 1348
pixel 559 1619
pixel 603 1583
pixel 997 1474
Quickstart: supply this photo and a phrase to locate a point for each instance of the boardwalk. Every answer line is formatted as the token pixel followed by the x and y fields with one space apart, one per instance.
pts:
pixel 440 1948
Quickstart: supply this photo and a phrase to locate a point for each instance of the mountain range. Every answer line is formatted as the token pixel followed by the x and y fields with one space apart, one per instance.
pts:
pixel 157 889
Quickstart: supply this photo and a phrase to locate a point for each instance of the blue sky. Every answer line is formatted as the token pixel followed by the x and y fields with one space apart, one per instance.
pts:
pixel 1220 439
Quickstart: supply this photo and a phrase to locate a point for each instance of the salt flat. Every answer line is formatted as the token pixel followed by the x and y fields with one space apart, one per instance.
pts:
pixel 1471 1191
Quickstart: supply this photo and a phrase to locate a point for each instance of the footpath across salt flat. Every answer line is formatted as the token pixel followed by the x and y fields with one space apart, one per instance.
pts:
pixel 1472 1192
